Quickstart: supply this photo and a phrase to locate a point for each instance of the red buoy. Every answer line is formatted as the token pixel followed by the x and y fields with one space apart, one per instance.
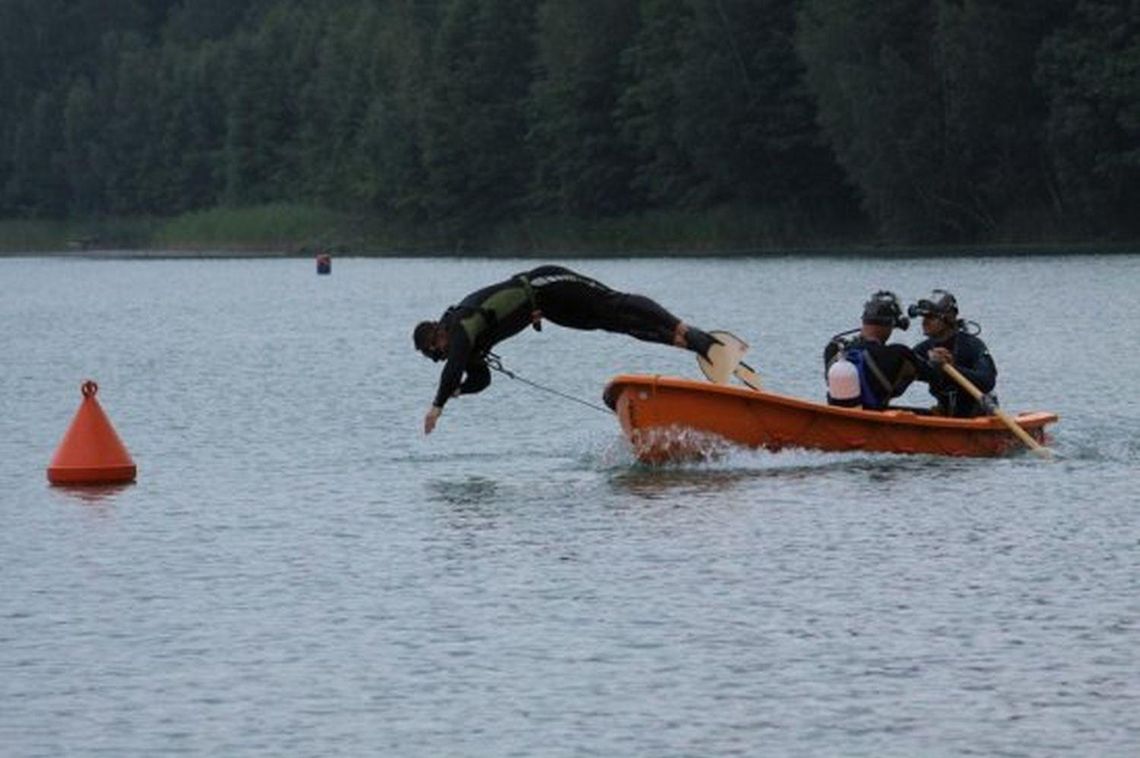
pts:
pixel 91 452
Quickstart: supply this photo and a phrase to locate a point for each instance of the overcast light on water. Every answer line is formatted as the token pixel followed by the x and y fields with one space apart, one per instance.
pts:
pixel 299 571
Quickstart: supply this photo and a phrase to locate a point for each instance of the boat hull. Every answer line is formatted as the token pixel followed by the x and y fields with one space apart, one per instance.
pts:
pixel 668 418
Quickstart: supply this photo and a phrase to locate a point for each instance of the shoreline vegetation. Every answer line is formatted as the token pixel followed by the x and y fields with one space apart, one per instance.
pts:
pixel 552 128
pixel 288 230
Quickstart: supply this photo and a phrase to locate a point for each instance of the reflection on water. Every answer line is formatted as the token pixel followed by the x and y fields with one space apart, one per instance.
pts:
pixel 739 466
pixel 474 490
pixel 471 505
pixel 91 494
pixel 655 483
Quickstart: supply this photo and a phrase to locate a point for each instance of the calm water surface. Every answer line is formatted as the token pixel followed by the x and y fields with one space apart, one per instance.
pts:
pixel 298 571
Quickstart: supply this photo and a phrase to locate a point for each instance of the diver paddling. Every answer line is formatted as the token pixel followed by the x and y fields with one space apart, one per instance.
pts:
pixel 951 342
pixel 466 332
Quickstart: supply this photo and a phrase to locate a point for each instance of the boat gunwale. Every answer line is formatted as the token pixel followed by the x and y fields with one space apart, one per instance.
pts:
pixel 888 417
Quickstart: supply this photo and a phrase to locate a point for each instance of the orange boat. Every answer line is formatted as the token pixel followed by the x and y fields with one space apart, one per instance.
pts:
pixel 668 418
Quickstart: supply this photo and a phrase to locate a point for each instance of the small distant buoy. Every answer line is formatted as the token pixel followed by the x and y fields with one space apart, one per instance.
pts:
pixel 324 263
pixel 91 452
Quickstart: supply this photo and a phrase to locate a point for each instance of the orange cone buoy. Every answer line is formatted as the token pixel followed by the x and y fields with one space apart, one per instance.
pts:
pixel 91 452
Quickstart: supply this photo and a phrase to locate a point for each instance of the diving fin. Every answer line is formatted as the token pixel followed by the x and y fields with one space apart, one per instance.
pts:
pixel 747 376
pixel 723 357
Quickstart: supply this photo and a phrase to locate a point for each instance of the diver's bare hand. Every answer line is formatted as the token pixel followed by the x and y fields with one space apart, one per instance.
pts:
pixel 431 418
pixel 941 356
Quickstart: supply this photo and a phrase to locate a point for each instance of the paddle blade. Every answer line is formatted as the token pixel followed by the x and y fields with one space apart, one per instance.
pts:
pixel 1038 449
pixel 724 358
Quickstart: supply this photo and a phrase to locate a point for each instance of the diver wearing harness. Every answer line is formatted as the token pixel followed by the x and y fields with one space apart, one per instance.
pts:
pixel 949 342
pixel 864 370
pixel 466 332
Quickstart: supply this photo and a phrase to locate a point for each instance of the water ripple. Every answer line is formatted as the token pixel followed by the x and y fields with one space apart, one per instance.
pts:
pixel 299 571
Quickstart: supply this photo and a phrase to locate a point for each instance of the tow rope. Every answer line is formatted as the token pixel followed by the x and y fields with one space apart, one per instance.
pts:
pixel 495 363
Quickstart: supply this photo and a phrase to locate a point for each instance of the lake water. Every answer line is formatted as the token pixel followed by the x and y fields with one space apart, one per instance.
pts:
pixel 299 571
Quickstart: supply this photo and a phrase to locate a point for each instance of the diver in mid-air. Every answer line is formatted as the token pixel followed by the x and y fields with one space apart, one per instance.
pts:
pixel 466 332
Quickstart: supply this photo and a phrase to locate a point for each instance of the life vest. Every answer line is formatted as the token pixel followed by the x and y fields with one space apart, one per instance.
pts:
pixel 494 308
pixel 457 313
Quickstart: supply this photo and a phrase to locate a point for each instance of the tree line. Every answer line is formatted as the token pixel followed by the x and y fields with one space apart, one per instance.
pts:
pixel 920 120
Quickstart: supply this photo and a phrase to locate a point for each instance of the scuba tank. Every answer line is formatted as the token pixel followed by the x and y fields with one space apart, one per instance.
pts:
pixel 841 374
pixel 843 382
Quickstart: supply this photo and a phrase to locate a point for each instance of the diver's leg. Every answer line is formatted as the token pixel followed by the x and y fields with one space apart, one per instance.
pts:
pixel 580 306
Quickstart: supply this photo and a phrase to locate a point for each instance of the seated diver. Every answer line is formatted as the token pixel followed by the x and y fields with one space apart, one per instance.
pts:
pixel 466 332
pixel 949 343
pixel 864 371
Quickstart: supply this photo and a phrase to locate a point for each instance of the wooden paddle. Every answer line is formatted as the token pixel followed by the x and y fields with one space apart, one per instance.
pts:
pixel 976 393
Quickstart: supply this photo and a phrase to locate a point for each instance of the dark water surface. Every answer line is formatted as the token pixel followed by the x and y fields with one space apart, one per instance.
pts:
pixel 298 571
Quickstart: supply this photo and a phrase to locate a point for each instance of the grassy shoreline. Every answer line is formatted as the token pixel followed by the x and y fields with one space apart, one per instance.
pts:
pixel 284 230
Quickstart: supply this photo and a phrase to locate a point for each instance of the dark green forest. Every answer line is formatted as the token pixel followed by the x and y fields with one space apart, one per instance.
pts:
pixel 896 121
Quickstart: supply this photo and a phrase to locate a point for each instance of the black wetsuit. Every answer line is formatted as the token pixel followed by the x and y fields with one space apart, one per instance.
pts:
pixel 885 371
pixel 973 361
pixel 490 315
